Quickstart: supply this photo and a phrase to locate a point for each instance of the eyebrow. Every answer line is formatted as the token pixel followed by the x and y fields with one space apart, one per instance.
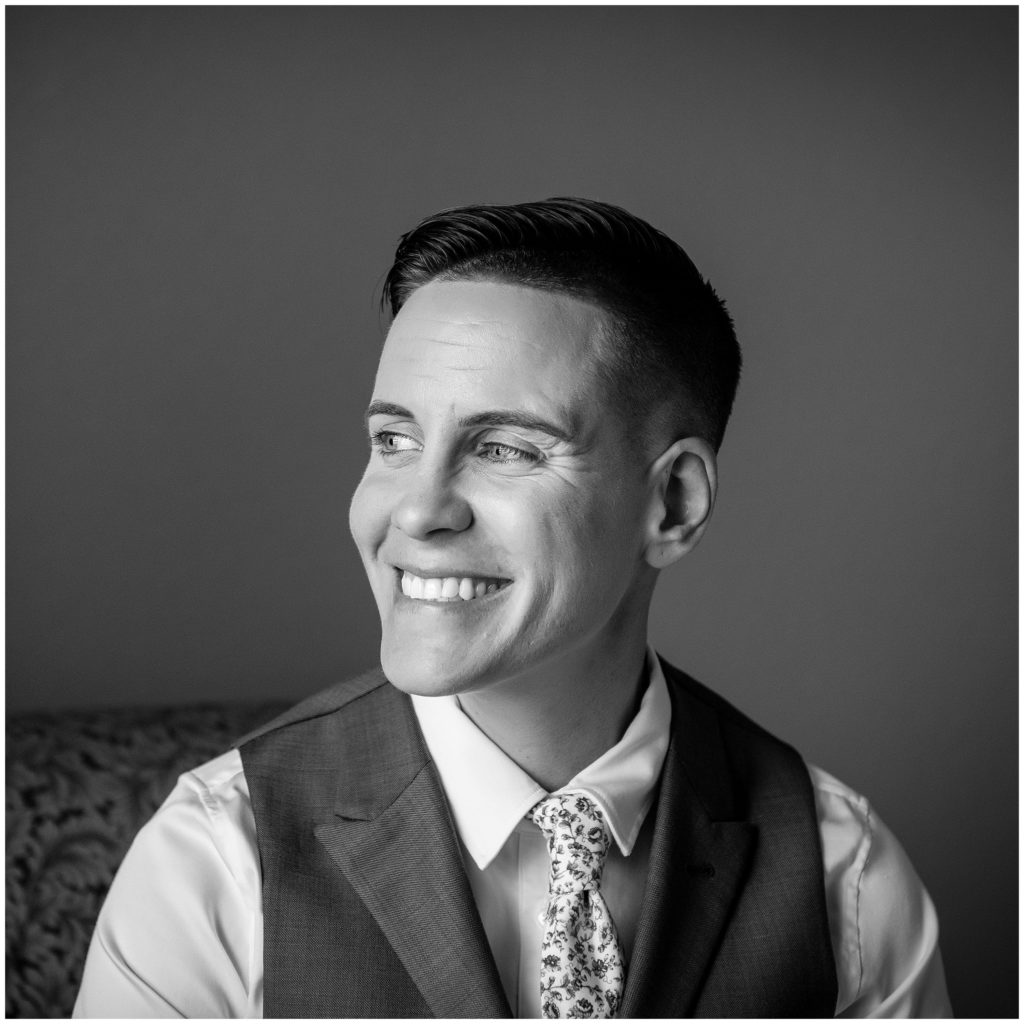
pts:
pixel 492 418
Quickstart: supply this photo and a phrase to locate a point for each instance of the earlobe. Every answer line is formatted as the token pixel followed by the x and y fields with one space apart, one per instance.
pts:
pixel 684 482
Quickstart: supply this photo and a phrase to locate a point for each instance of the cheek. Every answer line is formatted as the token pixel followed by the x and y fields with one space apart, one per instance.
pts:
pixel 597 542
pixel 570 541
pixel 367 514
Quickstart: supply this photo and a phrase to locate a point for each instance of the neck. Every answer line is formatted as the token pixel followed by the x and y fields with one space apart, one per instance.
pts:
pixel 565 715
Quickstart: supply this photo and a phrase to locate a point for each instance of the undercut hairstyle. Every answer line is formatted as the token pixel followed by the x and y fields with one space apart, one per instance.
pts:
pixel 669 356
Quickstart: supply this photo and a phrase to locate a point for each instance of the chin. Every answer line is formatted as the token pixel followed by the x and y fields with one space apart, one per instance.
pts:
pixel 425 673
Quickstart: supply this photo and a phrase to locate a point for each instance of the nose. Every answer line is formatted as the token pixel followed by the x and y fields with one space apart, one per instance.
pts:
pixel 431 503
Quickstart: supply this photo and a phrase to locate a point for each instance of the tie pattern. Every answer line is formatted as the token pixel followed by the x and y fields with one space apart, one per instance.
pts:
pixel 582 967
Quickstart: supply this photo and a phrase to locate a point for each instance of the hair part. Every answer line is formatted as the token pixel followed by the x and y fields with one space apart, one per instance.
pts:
pixel 669 358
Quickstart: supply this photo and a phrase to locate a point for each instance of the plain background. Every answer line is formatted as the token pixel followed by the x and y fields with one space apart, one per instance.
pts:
pixel 201 204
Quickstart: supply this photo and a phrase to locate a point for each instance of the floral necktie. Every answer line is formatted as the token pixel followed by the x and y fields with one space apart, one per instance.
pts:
pixel 582 969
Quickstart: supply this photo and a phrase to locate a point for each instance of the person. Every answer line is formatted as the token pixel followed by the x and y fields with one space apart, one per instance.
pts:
pixel 524 811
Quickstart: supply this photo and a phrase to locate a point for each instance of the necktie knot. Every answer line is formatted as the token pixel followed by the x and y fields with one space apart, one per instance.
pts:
pixel 578 841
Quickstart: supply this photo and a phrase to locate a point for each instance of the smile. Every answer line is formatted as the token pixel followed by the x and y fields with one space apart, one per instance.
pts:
pixel 450 588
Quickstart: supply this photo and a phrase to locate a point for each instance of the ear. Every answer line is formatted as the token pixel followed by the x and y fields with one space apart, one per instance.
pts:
pixel 684 482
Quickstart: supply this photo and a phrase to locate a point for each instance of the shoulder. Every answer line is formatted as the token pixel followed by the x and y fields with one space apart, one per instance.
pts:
pixel 846 818
pixel 205 823
pixel 719 742
pixel 325 702
pixel 731 722
pixel 177 931
pixel 355 745
pixel 883 924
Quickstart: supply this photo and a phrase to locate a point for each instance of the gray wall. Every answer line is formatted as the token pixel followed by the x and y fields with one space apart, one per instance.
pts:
pixel 201 203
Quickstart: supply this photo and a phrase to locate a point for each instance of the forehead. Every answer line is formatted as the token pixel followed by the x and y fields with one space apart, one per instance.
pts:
pixel 453 340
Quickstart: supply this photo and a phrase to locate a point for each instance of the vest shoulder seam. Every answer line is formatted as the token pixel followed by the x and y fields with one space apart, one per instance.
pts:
pixel 326 702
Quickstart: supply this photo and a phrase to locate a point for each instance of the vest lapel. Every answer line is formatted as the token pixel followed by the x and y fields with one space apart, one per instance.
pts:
pixel 697 865
pixel 394 840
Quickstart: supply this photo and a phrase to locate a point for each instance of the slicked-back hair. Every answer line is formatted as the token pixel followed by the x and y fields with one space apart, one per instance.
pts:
pixel 669 358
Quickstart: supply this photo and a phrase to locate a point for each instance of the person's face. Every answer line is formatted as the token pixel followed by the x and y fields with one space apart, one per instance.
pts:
pixel 501 517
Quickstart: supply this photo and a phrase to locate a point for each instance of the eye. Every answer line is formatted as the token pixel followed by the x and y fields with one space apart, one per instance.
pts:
pixel 389 442
pixel 496 451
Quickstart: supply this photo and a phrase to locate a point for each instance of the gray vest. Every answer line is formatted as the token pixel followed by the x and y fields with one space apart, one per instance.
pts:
pixel 368 911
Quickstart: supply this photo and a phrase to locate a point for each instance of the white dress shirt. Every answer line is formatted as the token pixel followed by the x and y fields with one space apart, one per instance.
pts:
pixel 181 931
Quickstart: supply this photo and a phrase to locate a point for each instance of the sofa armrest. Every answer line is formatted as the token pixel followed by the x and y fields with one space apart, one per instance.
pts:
pixel 79 786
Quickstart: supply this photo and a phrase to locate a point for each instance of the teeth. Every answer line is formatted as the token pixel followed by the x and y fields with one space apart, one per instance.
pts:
pixel 448 588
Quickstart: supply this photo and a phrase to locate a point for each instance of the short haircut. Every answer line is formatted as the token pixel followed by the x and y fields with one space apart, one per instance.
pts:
pixel 670 358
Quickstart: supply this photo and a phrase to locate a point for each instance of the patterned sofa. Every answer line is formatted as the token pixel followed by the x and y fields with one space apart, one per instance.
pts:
pixel 79 786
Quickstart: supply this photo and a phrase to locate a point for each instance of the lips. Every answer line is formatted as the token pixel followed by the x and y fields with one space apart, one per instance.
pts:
pixel 449 588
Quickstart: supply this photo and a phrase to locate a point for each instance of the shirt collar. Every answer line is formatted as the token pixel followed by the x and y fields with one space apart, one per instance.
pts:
pixel 489 794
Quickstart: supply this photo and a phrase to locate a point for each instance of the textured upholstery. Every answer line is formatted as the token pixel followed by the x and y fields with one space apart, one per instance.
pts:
pixel 79 786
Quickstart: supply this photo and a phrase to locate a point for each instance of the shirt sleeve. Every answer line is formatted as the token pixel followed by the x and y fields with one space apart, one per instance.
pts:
pixel 885 932
pixel 180 933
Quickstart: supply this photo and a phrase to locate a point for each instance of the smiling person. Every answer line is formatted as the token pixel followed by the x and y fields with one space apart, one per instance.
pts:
pixel 524 811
